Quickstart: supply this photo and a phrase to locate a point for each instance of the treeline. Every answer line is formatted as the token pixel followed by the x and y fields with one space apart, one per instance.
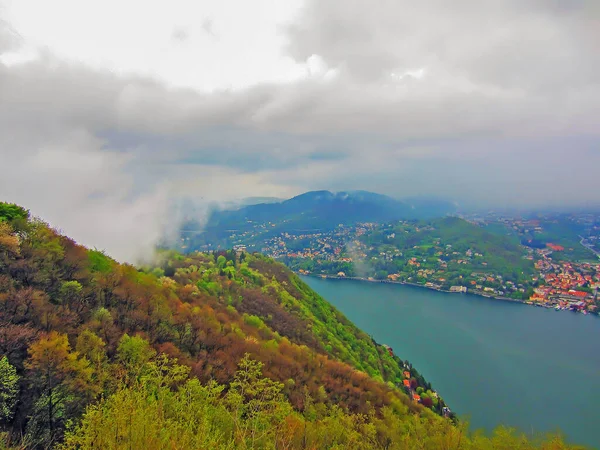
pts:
pixel 196 351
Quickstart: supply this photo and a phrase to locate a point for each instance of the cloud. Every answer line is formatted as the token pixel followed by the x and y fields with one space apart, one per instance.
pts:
pixel 207 27
pixel 9 38
pixel 489 102
pixel 507 43
pixel 180 34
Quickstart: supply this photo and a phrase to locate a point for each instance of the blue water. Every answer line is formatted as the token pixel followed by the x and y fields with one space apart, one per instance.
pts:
pixel 494 362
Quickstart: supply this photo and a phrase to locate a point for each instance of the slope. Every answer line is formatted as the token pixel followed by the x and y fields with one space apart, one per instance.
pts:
pixel 239 334
pixel 446 251
pixel 312 211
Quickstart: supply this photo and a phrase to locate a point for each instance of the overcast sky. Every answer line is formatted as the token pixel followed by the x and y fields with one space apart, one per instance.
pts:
pixel 110 109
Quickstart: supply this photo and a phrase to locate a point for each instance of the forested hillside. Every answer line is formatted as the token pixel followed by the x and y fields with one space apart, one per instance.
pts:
pixel 450 236
pixel 311 212
pixel 438 253
pixel 198 351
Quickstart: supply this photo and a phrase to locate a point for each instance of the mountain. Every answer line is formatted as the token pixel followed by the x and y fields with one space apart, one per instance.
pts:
pixel 220 350
pixel 311 211
pixel 233 205
pixel 317 209
pixel 246 201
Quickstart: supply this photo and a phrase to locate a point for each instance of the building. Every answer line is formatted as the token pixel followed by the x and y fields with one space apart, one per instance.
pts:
pixel 239 249
pixel 458 289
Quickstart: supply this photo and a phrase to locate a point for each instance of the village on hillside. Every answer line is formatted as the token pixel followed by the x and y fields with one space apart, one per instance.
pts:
pixel 489 255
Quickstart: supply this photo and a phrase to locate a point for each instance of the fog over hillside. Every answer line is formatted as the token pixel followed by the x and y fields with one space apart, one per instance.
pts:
pixel 103 127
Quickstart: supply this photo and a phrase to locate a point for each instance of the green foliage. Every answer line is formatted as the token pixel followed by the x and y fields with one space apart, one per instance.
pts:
pixel 254 414
pixel 254 321
pixel 99 262
pixel 10 212
pixel 64 380
pixel 257 405
pixel 134 353
pixel 444 252
pixel 154 359
pixel 9 390
pixel 70 291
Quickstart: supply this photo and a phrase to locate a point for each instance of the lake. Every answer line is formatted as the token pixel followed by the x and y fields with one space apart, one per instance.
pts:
pixel 493 362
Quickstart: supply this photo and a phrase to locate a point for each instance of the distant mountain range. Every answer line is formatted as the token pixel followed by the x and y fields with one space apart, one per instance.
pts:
pixel 311 211
pixel 326 210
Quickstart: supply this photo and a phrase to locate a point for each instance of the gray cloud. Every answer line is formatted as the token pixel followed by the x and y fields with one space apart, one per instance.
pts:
pixel 506 43
pixel 9 38
pixel 180 34
pixel 208 27
pixel 504 111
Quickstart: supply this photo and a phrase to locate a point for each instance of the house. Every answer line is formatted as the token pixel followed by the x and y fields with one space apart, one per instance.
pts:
pixel 416 397
pixel 579 294
pixel 239 249
pixel 556 248
pixel 406 374
pixel 407 383
pixel 458 289
pixel 389 349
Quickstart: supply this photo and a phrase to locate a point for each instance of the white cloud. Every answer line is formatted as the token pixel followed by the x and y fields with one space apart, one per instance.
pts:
pixel 111 110
pixel 136 37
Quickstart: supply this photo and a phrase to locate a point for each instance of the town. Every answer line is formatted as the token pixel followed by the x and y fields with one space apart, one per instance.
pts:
pixel 490 255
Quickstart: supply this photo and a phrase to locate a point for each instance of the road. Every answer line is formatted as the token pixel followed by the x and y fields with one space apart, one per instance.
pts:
pixel 589 247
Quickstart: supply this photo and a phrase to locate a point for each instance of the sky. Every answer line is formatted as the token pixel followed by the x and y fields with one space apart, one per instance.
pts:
pixel 112 111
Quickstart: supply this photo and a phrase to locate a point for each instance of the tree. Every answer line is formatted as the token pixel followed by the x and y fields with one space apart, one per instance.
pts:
pixel 14 340
pixel 134 353
pixel 9 390
pixel 70 292
pixel 92 347
pixel 9 242
pixel 10 212
pixel 256 403
pixel 63 381
pixel 426 401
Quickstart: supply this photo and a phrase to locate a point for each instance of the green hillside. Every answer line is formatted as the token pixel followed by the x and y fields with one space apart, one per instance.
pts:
pixel 452 236
pixel 196 351
pixel 444 252
pixel 311 212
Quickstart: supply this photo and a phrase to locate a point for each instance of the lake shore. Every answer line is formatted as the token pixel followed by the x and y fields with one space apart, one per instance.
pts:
pixel 471 349
pixel 406 283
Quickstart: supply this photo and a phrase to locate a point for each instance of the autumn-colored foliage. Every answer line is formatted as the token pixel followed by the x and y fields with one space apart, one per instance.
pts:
pixel 272 363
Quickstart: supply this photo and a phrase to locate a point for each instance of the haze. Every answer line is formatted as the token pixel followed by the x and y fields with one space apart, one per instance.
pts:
pixel 111 110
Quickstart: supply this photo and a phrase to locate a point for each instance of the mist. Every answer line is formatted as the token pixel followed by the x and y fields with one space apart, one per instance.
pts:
pixel 101 135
